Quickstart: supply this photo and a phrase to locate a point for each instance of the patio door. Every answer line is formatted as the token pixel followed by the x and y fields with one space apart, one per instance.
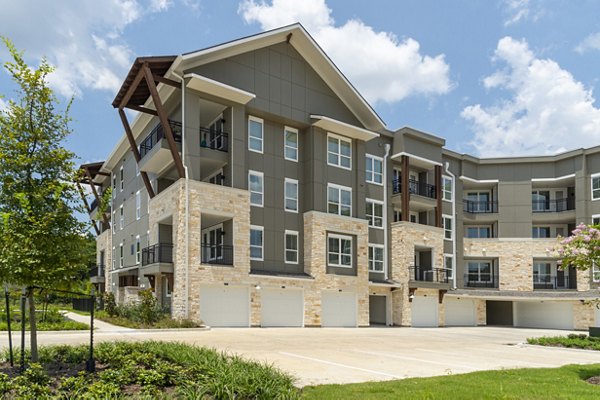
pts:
pixel 212 243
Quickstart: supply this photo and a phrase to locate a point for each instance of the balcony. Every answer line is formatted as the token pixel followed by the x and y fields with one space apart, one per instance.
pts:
pixel 216 254
pixel 419 188
pixel 428 274
pixel 554 282
pixel 480 207
pixel 214 140
pixel 481 280
pixel 157 134
pixel 160 253
pixel 554 205
pixel 96 273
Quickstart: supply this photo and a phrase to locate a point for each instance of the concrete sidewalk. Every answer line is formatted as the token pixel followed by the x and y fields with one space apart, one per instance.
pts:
pixel 99 326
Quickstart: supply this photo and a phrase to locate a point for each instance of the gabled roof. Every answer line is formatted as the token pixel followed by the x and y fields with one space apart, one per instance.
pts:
pixel 308 48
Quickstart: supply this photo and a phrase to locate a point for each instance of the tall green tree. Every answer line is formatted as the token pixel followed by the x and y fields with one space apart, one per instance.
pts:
pixel 42 243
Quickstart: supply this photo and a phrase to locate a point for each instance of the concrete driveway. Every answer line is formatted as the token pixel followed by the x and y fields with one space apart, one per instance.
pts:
pixel 344 355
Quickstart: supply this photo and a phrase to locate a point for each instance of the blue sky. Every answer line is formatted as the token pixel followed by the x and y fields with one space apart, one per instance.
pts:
pixel 495 77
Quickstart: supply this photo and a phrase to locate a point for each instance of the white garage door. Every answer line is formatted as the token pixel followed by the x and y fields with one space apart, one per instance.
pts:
pixel 281 307
pixel 338 309
pixel 225 305
pixel 557 315
pixel 459 312
pixel 424 312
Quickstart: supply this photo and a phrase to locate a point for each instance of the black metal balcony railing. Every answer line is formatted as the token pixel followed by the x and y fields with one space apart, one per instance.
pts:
pixel 548 282
pixel 428 274
pixel 96 270
pixel 554 205
pixel 476 207
pixel 214 140
pixel 220 254
pixel 157 253
pixel 93 204
pixel 416 187
pixel 157 134
pixel 480 280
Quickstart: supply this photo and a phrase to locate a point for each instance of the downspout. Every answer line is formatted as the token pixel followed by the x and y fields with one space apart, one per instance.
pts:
pixel 453 224
pixel 385 212
pixel 187 197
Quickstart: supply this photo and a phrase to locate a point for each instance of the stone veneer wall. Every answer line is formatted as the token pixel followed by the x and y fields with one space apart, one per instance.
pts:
pixel 515 258
pixel 316 227
pixel 104 242
pixel 405 236
pixel 584 315
pixel 481 308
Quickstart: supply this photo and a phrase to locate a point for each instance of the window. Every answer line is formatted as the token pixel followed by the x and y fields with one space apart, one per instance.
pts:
pixel 114 186
pixel 291 247
pixel 121 255
pixel 255 134
pixel 446 188
pixel 595 186
pixel 114 258
pixel 218 178
pixel 114 221
pixel 339 151
pixel 375 213
pixel 596 219
pixel 339 251
pixel 339 200
pixel 290 147
pixel 374 169
pixel 138 205
pixel 121 217
pixel 479 271
pixel 256 243
pixel 541 272
pixel 447 224
pixel 595 273
pixel 375 258
pixel 122 178
pixel 138 250
pixel 478 232
pixel 397 215
pixel 448 263
pixel 540 200
pixel 256 187
pixel 538 232
pixel 478 202
pixel 291 195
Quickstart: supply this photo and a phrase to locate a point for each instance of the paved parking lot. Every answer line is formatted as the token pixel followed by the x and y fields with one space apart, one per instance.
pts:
pixel 344 355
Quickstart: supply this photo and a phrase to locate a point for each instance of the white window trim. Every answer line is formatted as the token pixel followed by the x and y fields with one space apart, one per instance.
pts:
pixel 114 258
pixel 444 216
pixel 341 138
pixel 538 227
pixel 262 247
pixel 344 237
pixel 285 146
pixel 285 195
pixel 595 268
pixel 339 187
pixel 380 159
pixel 596 175
pixel 121 178
pixel 593 216
pixel 382 213
pixel 379 246
pixel 262 178
pixel 451 269
pixel 114 221
pixel 451 188
pixel 121 217
pixel 138 205
pixel 138 253
pixel 121 255
pixel 262 140
pixel 285 249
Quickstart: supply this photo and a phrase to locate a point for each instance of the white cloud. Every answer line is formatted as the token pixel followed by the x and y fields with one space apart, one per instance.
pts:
pixel 82 39
pixel 592 42
pixel 383 67
pixel 516 10
pixel 549 110
pixel 3 105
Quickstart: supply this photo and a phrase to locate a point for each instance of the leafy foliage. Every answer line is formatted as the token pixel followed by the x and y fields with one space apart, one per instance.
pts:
pixel 581 250
pixel 580 341
pixel 110 304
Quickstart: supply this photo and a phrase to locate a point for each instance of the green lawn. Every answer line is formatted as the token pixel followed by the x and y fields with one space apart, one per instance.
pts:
pixel 554 383
pixel 166 322
pixel 52 320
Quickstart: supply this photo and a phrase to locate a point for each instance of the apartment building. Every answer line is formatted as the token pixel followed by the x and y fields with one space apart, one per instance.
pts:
pixel 256 187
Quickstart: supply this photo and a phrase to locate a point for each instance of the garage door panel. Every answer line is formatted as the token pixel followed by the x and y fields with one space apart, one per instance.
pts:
pixel 459 312
pixel 282 307
pixel 225 306
pixel 424 312
pixel 338 309
pixel 549 315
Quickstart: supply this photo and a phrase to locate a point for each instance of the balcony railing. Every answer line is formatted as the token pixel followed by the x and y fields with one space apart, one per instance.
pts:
pixel 428 274
pixel 489 281
pixel 477 207
pixel 157 253
pixel 214 140
pixel 157 134
pixel 96 270
pixel 220 254
pixel 416 187
pixel 93 204
pixel 549 282
pixel 554 205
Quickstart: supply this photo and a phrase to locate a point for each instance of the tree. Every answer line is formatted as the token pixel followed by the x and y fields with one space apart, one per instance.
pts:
pixel 581 250
pixel 41 241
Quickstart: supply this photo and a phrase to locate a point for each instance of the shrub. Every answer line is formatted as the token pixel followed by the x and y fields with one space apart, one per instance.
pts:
pixel 147 309
pixel 110 304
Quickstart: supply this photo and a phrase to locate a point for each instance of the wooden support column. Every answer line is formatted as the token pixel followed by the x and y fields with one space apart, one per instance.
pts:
pixel 162 116
pixel 135 151
pixel 87 206
pixel 438 196
pixel 405 188
pixel 95 192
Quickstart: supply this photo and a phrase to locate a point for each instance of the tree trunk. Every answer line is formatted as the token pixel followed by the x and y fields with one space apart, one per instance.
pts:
pixel 32 326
